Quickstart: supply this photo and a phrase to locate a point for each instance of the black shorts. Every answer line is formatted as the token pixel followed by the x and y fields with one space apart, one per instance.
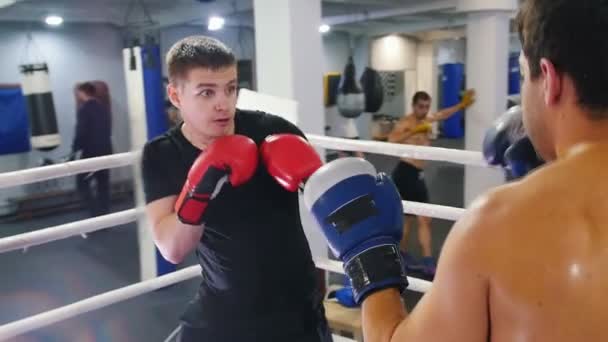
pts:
pixel 410 182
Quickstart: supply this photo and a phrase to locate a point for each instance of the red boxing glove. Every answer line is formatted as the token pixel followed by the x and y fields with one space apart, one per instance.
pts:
pixel 290 159
pixel 232 158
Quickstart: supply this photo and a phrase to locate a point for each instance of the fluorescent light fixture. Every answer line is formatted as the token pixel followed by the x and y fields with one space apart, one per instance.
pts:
pixel 324 28
pixel 215 23
pixel 53 20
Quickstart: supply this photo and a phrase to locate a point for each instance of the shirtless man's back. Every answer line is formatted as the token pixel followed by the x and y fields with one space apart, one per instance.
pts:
pixel 547 254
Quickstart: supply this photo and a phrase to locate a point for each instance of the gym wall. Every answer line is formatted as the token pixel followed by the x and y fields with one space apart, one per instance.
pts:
pixel 74 53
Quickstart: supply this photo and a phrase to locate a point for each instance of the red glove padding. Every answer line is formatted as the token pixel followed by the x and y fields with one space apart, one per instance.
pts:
pixel 290 159
pixel 232 158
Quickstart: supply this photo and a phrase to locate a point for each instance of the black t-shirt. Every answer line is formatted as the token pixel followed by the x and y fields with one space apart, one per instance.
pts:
pixel 258 272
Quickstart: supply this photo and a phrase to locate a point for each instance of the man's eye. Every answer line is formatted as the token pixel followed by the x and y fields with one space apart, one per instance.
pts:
pixel 231 89
pixel 206 93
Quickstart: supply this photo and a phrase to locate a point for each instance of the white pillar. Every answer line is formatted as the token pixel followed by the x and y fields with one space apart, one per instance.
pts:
pixel 137 123
pixel 289 64
pixel 426 67
pixel 487 73
pixel 289 56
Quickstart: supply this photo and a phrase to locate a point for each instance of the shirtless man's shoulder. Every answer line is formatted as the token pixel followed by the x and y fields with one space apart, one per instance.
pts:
pixel 544 249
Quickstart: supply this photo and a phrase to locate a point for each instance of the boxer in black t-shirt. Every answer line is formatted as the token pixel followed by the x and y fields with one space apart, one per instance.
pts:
pixel 259 279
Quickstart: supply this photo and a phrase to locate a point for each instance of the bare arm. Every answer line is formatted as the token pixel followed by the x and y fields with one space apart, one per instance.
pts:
pixel 173 238
pixel 455 309
pixel 444 114
pixel 467 99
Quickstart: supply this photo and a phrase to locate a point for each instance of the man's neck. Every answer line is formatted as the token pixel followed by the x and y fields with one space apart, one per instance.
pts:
pixel 580 130
pixel 199 141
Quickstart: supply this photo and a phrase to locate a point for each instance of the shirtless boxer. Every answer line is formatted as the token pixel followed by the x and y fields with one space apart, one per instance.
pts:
pixel 415 129
pixel 528 260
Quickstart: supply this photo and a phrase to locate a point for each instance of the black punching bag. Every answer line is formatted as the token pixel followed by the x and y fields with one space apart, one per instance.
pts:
pixel 350 100
pixel 36 86
pixel 373 90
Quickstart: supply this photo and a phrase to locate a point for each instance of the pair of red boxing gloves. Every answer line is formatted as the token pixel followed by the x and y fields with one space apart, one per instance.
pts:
pixel 289 158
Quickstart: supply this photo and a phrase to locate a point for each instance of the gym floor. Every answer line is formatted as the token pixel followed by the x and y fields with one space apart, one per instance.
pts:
pixel 58 273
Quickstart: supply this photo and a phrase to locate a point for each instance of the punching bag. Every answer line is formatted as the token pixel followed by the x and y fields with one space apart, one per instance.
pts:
pixel 36 86
pixel 373 90
pixel 351 99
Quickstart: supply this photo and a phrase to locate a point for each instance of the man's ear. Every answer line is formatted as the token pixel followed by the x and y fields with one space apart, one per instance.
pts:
pixel 173 94
pixel 552 82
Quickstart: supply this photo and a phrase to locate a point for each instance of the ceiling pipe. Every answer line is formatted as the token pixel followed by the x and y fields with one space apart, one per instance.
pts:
pixel 394 12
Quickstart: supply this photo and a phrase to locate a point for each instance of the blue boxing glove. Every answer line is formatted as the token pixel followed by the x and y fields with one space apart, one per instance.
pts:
pixel 521 158
pixel 506 144
pixel 505 130
pixel 361 216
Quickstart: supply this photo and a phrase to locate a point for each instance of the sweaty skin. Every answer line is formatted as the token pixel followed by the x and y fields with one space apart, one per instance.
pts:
pixel 556 285
pixel 527 262
pixel 405 125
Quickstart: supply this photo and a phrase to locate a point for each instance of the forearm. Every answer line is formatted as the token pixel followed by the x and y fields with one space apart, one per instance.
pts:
pixel 382 312
pixel 447 112
pixel 175 239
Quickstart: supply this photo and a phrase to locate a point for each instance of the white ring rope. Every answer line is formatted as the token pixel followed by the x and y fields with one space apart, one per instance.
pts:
pixel 432 210
pixel 20 241
pixel 67 230
pixel 37 174
pixel 401 150
pixel 105 299
pixel 26 240
pixel 96 302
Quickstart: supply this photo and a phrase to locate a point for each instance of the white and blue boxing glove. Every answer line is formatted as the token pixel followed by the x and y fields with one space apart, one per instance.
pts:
pixel 361 216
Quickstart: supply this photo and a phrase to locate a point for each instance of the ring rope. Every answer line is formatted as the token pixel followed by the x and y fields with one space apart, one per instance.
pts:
pixel 401 150
pixel 37 174
pixel 20 241
pixel 63 231
pixel 41 320
pixel 42 173
pixel 44 319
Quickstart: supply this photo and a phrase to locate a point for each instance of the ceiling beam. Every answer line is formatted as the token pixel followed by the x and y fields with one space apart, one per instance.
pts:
pixel 385 29
pixel 393 12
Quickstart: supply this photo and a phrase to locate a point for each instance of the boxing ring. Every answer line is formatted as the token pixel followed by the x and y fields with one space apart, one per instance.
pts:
pixel 55 233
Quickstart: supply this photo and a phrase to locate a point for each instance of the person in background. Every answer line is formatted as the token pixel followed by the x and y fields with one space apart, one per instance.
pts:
pixel 93 139
pixel 415 129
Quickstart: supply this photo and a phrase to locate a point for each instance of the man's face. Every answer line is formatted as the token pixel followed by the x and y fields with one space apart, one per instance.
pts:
pixel 421 109
pixel 81 96
pixel 207 100
pixel 536 116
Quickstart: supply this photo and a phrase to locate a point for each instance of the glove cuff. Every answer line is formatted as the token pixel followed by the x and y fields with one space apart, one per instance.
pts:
pixel 374 269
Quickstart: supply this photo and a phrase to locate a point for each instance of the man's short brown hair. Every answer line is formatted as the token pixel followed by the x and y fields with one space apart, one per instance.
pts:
pixel 197 52
pixel 573 35
pixel 87 87
pixel 421 96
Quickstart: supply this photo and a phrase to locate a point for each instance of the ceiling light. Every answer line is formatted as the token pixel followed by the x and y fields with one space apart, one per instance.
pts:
pixel 53 20
pixel 215 23
pixel 324 28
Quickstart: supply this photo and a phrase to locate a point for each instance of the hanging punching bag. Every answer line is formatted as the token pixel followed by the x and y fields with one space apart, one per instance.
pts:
pixel 373 90
pixel 351 99
pixel 36 86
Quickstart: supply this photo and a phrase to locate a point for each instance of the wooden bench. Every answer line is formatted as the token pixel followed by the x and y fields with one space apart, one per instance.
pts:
pixel 344 320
